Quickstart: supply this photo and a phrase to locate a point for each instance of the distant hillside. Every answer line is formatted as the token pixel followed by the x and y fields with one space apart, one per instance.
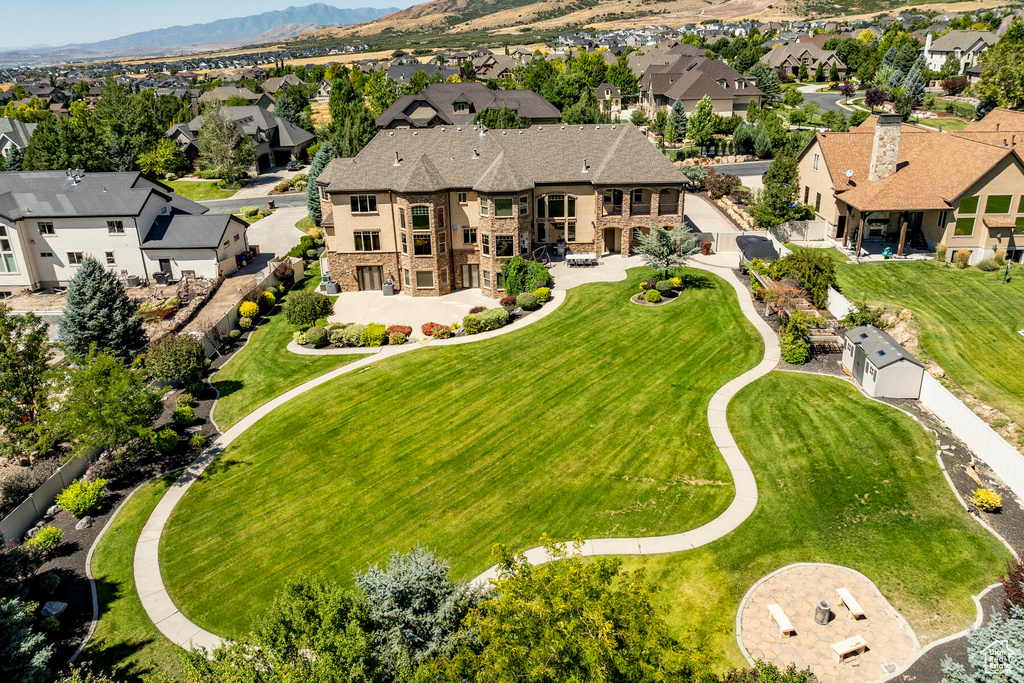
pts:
pixel 231 30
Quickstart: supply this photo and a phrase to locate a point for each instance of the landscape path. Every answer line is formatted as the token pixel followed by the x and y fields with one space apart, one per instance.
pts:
pixel 183 632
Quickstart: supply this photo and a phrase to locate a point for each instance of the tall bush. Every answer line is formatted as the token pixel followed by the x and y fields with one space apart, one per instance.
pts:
pixel 177 358
pixel 305 307
pixel 523 276
pixel 815 270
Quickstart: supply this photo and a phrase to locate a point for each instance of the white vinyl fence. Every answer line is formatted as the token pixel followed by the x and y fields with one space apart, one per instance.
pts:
pixel 25 516
pixel 801 231
pixel 1005 460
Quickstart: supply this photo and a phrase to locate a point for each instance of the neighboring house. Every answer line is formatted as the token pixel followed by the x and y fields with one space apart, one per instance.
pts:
pixel 609 97
pixel 441 209
pixel 880 183
pixel 881 365
pixel 450 104
pixel 272 86
pixel 688 79
pixel 223 93
pixel 324 91
pixel 14 134
pixel 51 220
pixel 277 141
pixel 788 58
pixel 965 46
pixel 403 73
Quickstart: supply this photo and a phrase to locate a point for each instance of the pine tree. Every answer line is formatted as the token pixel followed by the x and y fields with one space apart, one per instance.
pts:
pixel 98 311
pixel 767 81
pixel 913 85
pixel 316 167
pixel 890 56
pixel 819 73
pixel 702 123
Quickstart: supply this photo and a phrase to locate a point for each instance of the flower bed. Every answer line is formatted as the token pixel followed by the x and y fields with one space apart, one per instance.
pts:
pixel 654 292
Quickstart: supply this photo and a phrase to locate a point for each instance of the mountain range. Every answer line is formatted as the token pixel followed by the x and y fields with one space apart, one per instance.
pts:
pixel 274 25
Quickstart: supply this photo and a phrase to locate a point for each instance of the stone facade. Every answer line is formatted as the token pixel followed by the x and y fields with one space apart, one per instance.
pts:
pixel 440 259
pixel 491 227
pixel 343 267
pixel 627 222
pixel 886 147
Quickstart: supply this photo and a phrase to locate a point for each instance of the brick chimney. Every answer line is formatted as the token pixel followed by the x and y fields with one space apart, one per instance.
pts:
pixel 886 147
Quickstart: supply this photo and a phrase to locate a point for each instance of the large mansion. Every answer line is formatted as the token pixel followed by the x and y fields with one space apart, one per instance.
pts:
pixel 915 186
pixel 441 209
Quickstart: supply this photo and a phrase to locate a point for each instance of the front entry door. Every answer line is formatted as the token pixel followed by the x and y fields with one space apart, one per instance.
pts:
pixel 369 278
pixel 470 275
pixel 611 240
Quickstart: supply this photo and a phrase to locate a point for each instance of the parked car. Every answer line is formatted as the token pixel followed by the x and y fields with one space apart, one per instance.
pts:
pixel 294 165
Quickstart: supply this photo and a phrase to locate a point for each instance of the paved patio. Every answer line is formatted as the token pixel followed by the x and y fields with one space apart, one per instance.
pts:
pixel 796 589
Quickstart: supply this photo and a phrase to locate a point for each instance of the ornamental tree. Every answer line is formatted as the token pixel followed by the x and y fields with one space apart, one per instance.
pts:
pixel 25 353
pixel 99 312
pixel 678 117
pixel 664 249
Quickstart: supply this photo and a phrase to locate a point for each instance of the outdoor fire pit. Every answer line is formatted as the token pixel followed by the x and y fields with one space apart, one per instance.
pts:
pixel 822 612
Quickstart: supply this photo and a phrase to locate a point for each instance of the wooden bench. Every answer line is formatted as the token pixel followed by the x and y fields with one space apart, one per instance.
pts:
pixel 851 646
pixel 846 598
pixel 780 618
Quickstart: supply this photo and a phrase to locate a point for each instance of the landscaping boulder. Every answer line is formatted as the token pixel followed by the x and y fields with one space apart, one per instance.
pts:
pixel 53 510
pixel 936 371
pixel 53 608
pixel 84 523
pixel 32 532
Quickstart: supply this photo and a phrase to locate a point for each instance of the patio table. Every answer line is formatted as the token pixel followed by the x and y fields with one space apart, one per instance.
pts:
pixel 582 259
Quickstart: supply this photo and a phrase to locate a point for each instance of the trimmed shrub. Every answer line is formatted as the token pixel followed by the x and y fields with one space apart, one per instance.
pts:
pixel 183 416
pixel 428 328
pixel 375 334
pixel 176 358
pixel 353 335
pixel 305 307
pixel 249 309
pixel 527 301
pixel 317 336
pixel 489 319
pixel 652 296
pixel 986 500
pixel 795 349
pixel 48 582
pixel 400 329
pixel 940 253
pixel 249 211
pixel 81 497
pixel 234 335
pixel 336 337
pixel 543 294
pixel 1013 583
pixel 46 539
pixel 397 339
pixel 962 258
pixel 663 287
pixel 677 282
pixel 198 442
pixel 268 299
pixel 244 323
pixel 441 332
pixel 508 302
pixel 305 244
pixel 311 254
pixel 165 440
pixel 477 309
pixel 988 265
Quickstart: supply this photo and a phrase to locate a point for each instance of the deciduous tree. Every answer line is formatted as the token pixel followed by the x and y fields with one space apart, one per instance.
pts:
pixel 222 147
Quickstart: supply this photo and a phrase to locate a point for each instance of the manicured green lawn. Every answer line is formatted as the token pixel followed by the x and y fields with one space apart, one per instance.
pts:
pixel 265 368
pixel 844 480
pixel 199 190
pixel 591 421
pixel 968 322
pixel 305 224
pixel 832 252
pixel 947 124
pixel 125 638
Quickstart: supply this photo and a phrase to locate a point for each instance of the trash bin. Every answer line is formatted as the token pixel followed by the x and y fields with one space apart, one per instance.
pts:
pixel 705 248
pixel 270 204
pixel 388 287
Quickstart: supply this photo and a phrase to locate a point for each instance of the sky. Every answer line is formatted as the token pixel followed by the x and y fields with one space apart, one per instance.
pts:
pixel 58 22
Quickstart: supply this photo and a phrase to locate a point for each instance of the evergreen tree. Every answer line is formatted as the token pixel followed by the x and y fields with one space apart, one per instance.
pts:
pixel 98 311
pixel 26 653
pixel 833 73
pixel 74 141
pixel 14 160
pixel 501 118
pixel 895 81
pixel 355 132
pixel 586 110
pixel 801 73
pixel 678 117
pixel 993 652
pixel 890 56
pixel 819 73
pixel 316 167
pixel 767 81
pixel 913 85
pixel 762 142
pixel 907 56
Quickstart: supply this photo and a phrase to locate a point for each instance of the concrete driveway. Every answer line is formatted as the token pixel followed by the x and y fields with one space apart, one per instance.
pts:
pixel 276 234
pixel 705 216
pixel 262 184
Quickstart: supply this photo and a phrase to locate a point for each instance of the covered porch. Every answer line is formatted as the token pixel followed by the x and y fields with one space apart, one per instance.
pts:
pixel 872 235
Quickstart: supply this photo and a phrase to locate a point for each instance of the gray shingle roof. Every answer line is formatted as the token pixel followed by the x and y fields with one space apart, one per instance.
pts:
pixel 500 177
pixel 961 40
pixel 187 231
pixel 441 97
pixel 879 347
pixel 249 119
pixel 462 156
pixel 51 194
pixel 19 132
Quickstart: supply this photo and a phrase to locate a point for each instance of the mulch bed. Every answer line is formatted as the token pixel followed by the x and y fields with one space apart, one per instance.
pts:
pixel 666 299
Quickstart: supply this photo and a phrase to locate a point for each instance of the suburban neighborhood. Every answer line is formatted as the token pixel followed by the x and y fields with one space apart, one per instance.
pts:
pixel 560 342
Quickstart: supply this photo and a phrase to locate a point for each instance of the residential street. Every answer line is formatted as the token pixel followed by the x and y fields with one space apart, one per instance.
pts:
pixel 234 204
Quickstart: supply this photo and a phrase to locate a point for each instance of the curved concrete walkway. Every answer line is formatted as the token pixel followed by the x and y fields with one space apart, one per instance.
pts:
pixel 183 632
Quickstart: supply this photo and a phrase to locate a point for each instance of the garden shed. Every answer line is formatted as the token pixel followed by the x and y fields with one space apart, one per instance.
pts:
pixel 880 364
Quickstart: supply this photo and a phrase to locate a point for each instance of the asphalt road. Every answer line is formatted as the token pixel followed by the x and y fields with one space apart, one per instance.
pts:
pixel 234 205
pixel 828 101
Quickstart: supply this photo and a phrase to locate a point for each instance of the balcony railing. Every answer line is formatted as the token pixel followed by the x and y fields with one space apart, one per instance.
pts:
pixel 639 209
pixel 613 209
pixel 669 209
